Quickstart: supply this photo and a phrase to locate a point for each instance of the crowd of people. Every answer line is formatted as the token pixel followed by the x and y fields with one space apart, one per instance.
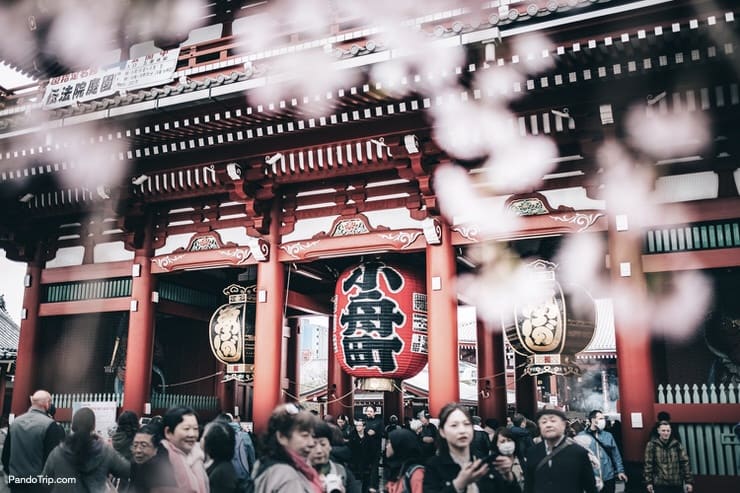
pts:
pixel 303 453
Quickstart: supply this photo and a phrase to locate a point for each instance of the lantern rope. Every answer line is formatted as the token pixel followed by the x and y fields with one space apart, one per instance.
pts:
pixel 192 381
pixel 337 399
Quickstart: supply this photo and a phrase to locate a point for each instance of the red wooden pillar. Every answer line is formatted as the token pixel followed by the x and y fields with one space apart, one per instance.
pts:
pixel 491 375
pixel 293 365
pixel 339 384
pixel 268 330
pixel 140 345
pixel 634 358
pixel 444 379
pixel 25 363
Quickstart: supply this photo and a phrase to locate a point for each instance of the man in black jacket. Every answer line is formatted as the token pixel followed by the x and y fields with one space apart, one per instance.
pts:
pixel 557 464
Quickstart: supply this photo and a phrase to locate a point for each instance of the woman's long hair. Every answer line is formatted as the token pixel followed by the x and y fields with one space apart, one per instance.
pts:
pixel 406 453
pixel 285 419
pixel 83 436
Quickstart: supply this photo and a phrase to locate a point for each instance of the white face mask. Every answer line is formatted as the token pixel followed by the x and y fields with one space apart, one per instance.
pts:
pixel 601 424
pixel 507 448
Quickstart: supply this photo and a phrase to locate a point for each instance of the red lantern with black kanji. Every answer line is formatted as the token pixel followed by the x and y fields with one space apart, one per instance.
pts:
pixel 380 323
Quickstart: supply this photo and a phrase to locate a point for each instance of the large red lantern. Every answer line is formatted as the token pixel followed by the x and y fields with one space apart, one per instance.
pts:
pixel 553 328
pixel 380 324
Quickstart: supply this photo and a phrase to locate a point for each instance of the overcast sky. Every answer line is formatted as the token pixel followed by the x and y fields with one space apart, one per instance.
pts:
pixel 11 285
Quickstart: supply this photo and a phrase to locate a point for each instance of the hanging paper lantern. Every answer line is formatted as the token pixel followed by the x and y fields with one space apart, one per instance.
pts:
pixel 380 324
pixel 231 332
pixel 554 326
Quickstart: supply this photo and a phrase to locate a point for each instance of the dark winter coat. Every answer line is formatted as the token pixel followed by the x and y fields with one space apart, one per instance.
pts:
pixel 91 476
pixel 569 471
pixel 365 453
pixel 441 470
pixel 155 473
pixel 121 442
pixel 222 477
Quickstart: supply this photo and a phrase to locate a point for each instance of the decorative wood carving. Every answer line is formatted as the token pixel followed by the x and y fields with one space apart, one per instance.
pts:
pixel 535 225
pixel 210 240
pixel 352 235
pixel 207 250
pixel 583 221
pixel 532 204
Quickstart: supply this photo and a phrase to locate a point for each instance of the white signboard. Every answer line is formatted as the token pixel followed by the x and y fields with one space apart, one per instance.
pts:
pixel 105 415
pixel 86 85
pixel 148 71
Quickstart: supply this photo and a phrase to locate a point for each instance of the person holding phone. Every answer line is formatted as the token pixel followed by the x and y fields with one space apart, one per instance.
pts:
pixel 455 469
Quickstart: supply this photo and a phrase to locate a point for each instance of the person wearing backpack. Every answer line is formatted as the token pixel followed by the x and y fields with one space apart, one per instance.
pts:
pixel 218 444
pixel 404 472
pixel 605 448
pixel 244 453
pixel 557 464
pixel 587 442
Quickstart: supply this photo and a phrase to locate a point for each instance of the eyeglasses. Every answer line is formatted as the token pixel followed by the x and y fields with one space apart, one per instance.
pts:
pixel 141 445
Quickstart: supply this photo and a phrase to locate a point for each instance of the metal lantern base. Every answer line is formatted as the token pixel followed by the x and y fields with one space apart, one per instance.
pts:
pixel 376 384
pixel 555 364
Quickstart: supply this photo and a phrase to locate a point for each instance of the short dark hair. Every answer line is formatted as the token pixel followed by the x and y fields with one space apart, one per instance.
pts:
pixel 174 417
pixel 518 419
pixel 322 430
pixel 664 416
pixel 219 441
pixel 128 423
pixel 593 413
pixel 154 430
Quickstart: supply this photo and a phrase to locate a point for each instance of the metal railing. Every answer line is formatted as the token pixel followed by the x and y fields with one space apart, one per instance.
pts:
pixel 158 401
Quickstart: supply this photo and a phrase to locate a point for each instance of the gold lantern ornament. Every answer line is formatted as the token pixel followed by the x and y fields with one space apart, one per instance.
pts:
pixel 231 332
pixel 552 327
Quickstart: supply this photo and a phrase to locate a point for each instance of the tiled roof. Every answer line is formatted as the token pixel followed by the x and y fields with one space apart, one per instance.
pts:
pixel 9 333
pixel 604 343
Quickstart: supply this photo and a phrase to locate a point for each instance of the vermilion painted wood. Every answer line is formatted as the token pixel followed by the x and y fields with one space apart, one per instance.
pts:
pixel 442 319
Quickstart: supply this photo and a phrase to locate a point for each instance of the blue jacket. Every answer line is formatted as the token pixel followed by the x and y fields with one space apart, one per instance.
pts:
pixel 609 449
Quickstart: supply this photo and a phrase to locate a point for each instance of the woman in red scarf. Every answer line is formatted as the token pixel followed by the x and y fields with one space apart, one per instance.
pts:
pixel 285 467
